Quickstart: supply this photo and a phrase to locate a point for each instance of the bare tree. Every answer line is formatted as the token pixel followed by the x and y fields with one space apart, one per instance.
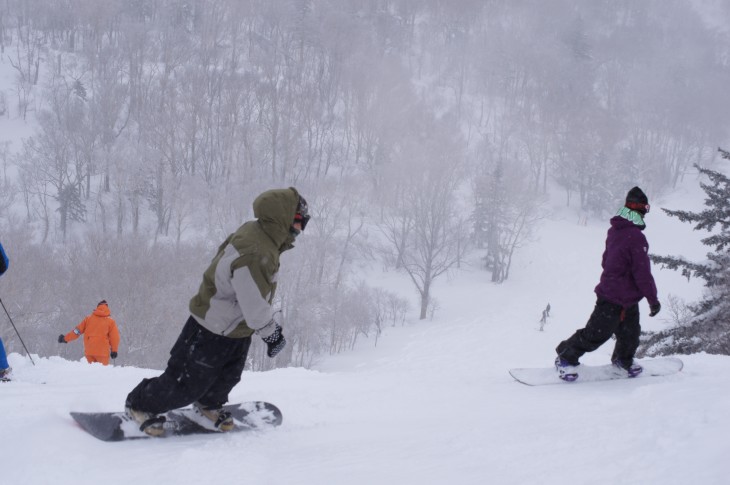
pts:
pixel 509 212
pixel 427 182
pixel 26 62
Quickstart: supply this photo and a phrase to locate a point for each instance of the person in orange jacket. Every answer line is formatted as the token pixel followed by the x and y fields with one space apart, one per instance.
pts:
pixel 100 335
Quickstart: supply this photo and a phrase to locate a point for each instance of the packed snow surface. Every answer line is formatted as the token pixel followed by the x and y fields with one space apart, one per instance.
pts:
pixel 432 403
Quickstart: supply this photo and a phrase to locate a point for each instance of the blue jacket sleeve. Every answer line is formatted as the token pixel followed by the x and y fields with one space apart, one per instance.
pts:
pixel 4 262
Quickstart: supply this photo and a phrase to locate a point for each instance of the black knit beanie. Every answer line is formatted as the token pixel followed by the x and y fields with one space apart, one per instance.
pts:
pixel 637 200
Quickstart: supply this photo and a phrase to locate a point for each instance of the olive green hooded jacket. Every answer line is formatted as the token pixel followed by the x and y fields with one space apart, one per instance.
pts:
pixel 238 287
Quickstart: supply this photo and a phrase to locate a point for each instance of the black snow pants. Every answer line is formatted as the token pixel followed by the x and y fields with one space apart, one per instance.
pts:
pixel 203 367
pixel 607 319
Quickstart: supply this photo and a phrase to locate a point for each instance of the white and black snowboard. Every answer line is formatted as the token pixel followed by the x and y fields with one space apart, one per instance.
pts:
pixel 661 366
pixel 118 426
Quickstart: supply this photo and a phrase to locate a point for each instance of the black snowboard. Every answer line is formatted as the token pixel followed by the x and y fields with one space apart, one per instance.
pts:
pixel 248 416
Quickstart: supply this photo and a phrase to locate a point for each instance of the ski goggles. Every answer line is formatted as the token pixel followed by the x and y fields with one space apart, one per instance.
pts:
pixel 302 216
pixel 638 206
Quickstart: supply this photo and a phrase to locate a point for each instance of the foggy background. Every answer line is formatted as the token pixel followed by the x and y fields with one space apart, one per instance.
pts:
pixel 134 136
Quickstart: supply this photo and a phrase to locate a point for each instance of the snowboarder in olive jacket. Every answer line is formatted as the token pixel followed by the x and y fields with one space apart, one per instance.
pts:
pixel 233 303
pixel 626 279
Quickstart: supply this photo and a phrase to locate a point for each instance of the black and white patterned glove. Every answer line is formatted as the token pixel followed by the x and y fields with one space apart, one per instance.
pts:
pixel 275 342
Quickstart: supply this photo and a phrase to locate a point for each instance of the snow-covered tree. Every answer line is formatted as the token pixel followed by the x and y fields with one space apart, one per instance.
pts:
pixel 709 329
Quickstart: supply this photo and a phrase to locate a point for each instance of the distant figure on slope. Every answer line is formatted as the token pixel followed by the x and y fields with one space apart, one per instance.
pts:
pixel 101 335
pixel 233 303
pixel 625 281
pixel 545 316
pixel 4 366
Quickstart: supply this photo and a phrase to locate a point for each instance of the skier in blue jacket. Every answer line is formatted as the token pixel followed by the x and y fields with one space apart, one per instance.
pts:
pixel 4 366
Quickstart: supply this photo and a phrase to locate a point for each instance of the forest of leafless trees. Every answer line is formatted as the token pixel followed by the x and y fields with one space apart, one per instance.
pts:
pixel 417 130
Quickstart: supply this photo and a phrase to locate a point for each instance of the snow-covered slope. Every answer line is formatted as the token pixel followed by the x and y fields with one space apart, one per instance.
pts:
pixel 431 404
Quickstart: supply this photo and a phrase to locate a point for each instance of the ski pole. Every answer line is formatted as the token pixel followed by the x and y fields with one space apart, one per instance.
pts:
pixel 16 331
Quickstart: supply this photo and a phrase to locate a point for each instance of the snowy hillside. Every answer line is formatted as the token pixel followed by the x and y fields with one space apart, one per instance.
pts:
pixel 431 404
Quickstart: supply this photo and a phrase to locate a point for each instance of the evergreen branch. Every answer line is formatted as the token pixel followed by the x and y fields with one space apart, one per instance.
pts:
pixel 688 268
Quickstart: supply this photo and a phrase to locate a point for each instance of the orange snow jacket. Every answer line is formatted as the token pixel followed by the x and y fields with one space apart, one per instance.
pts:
pixel 101 334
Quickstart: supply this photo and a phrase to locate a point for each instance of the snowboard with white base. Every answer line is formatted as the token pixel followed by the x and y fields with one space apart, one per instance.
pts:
pixel 661 366
pixel 248 416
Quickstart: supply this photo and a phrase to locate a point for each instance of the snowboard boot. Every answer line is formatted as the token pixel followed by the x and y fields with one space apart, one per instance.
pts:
pixel 632 368
pixel 5 374
pixel 567 371
pixel 221 419
pixel 150 423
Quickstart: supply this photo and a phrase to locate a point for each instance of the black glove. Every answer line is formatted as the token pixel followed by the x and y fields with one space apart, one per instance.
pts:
pixel 654 309
pixel 114 355
pixel 275 342
pixel 61 339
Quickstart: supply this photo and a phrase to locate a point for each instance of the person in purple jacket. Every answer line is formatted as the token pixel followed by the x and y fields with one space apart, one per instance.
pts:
pixel 625 281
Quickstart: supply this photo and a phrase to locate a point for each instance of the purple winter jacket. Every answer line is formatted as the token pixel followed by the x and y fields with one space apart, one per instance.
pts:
pixel 626 277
